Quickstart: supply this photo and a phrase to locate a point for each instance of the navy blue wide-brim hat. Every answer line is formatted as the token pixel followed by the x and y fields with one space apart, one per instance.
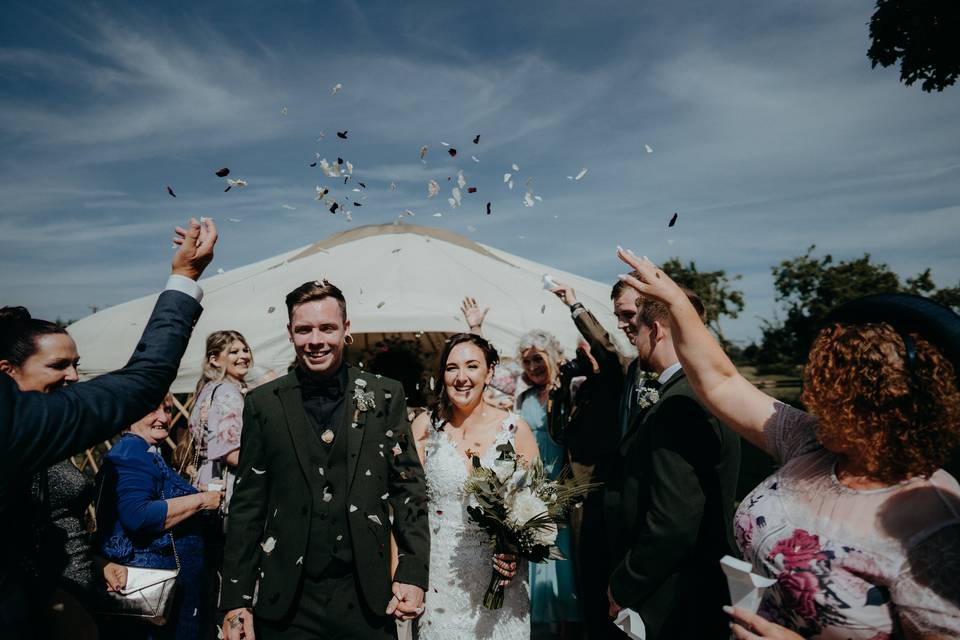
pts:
pixel 906 313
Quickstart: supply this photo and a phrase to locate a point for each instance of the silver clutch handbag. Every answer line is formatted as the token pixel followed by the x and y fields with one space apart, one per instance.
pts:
pixel 148 593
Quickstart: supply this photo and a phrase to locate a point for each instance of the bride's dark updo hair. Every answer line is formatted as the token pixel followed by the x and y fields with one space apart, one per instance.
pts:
pixel 442 408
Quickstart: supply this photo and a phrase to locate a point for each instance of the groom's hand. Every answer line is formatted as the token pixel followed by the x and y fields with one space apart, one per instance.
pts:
pixel 406 603
pixel 238 624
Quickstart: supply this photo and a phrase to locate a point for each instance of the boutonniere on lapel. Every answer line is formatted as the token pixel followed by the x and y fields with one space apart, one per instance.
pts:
pixel 363 399
pixel 648 393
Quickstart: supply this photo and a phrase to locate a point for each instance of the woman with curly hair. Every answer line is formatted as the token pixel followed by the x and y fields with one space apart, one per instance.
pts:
pixel 860 526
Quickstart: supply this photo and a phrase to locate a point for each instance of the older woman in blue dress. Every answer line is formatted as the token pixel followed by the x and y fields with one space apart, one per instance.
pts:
pixel 146 518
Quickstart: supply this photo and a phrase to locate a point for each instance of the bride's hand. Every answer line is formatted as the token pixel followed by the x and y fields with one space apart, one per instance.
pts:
pixel 506 565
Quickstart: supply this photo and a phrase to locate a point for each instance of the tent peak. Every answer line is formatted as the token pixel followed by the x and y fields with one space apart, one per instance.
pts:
pixel 370 230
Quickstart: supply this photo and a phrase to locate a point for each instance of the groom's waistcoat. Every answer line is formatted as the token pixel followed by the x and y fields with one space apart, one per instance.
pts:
pixel 329 530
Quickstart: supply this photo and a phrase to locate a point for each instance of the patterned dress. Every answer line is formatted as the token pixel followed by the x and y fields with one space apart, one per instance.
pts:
pixel 216 421
pixel 850 564
pixel 461 559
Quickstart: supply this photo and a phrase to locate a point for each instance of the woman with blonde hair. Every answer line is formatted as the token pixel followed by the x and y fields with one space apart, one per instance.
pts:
pixel 553 592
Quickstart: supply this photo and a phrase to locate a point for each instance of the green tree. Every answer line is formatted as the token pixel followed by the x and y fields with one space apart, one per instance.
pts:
pixel 922 35
pixel 713 287
pixel 809 287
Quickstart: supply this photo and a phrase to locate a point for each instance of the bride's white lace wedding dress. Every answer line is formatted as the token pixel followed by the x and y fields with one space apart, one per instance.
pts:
pixel 461 560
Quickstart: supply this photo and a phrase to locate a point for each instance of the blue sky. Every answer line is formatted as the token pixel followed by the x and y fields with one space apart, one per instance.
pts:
pixel 769 130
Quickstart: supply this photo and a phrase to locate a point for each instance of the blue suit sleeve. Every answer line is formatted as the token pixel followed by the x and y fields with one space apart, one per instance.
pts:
pixel 140 510
pixel 37 430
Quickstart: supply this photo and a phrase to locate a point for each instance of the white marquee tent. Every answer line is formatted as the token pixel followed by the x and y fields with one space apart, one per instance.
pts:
pixel 398 280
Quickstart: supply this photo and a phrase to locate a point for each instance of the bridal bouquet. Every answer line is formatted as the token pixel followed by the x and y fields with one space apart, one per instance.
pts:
pixel 521 509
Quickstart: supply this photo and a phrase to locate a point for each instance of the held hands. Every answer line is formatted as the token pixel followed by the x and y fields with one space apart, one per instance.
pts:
pixel 238 624
pixel 506 565
pixel 196 248
pixel 472 313
pixel 750 626
pixel 406 603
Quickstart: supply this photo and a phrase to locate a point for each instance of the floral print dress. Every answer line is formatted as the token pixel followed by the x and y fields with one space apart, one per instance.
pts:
pixel 215 423
pixel 850 564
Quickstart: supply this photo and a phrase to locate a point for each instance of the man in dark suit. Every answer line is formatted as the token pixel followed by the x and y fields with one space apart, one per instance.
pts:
pixel 588 424
pixel 671 512
pixel 37 430
pixel 326 460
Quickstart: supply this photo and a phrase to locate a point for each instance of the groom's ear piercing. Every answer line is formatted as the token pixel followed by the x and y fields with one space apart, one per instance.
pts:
pixel 348 339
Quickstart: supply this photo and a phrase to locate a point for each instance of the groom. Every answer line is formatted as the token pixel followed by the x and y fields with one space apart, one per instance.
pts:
pixel 326 454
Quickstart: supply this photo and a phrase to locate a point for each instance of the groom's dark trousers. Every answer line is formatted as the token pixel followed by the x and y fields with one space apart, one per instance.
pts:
pixel 309 524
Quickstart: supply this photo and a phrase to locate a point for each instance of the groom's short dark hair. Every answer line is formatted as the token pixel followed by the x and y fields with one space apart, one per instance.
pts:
pixel 650 311
pixel 315 290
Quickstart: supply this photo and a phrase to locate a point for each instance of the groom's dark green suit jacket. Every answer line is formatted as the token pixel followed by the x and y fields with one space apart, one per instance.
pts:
pixel 272 496
pixel 669 511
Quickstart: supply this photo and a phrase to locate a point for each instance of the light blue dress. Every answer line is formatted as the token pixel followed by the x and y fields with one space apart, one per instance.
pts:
pixel 553 590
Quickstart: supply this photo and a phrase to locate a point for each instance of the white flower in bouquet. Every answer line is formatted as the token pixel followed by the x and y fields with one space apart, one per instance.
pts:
pixel 503 469
pixel 525 506
pixel 546 534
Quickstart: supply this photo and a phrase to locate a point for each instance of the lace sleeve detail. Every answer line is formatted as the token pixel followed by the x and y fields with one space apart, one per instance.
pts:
pixel 790 432
pixel 927 592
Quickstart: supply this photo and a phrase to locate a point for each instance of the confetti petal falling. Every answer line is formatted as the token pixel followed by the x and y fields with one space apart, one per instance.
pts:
pixel 170 191
pixel 222 172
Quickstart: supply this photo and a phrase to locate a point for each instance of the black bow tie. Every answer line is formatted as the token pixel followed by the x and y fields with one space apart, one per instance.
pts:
pixel 325 388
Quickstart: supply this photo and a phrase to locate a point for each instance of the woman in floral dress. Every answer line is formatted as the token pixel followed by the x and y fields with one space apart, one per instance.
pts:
pixel 859 526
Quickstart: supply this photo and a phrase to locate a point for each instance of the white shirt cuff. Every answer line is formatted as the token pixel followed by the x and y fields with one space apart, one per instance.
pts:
pixel 185 285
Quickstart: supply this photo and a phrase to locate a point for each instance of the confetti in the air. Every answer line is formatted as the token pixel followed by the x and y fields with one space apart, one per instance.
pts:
pixel 334 207
pixel 648 148
pixel 471 228
pixel 475 158
pixel 461 181
pixel 259 472
pixel 380 304
pixel 375 519
pixel 271 309
pixel 222 172
pixel 432 189
pixel 488 208
pixel 452 152
pixel 438 215
pixel 283 111
pixel 393 186
pixel 268 544
pixel 288 207
pixel 476 139
pixel 506 178
pixel 170 191
pixel 342 134
pixel 471 189
pixel 238 183
pixel 673 219
pixel 543 308
pixel 353 508
pixel 336 89
pixel 423 152
pixel 515 167
pixel 582 173
pixel 321 192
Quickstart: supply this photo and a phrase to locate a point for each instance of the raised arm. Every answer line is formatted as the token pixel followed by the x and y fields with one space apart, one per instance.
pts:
pixel 602 347
pixel 714 378
pixel 473 315
pixel 37 429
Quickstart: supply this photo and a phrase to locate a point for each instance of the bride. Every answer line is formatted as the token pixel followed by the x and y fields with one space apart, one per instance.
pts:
pixel 459 427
